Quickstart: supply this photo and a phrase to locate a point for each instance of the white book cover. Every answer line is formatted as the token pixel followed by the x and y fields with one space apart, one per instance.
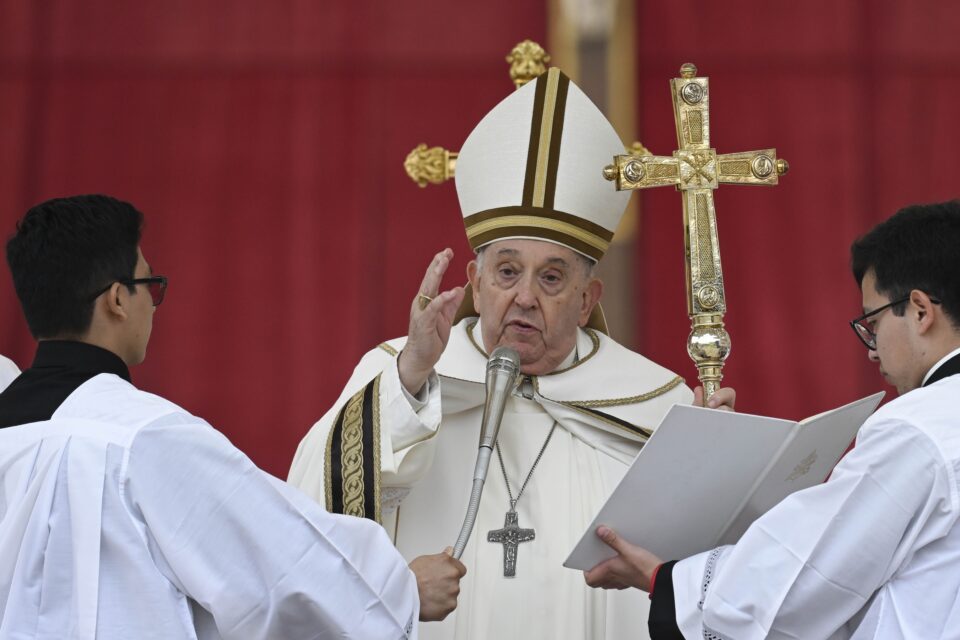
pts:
pixel 705 475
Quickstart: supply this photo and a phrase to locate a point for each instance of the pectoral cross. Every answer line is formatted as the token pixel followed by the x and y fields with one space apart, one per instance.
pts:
pixel 696 170
pixel 510 536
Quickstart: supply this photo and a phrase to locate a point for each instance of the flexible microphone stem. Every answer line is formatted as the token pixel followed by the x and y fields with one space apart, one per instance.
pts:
pixel 503 370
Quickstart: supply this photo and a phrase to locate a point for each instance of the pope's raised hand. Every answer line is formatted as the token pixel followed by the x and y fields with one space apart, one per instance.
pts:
pixel 431 318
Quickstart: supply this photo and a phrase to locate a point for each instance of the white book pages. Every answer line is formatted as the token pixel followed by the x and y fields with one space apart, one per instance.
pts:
pixel 705 475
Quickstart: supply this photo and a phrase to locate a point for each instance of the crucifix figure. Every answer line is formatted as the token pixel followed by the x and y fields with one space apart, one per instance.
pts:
pixel 510 536
pixel 696 170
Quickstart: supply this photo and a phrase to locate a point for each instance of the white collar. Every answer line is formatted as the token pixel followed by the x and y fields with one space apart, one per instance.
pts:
pixel 939 364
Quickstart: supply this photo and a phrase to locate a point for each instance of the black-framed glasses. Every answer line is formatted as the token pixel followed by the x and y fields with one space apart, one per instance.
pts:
pixel 864 329
pixel 157 286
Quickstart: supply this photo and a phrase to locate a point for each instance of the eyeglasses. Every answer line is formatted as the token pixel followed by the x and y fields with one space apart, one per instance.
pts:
pixel 156 284
pixel 864 329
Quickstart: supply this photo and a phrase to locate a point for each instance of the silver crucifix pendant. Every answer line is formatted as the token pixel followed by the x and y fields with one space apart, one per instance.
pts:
pixel 510 536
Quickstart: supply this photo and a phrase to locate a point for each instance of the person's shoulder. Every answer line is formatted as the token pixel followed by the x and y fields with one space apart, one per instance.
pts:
pixel 110 399
pixel 387 348
pixel 927 413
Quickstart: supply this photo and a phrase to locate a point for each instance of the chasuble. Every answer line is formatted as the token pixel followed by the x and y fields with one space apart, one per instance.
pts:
pixel 408 462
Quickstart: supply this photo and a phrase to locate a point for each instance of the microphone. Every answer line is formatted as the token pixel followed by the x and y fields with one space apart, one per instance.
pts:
pixel 503 371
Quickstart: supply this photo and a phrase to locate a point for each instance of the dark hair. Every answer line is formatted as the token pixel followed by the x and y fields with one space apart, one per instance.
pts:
pixel 917 248
pixel 64 251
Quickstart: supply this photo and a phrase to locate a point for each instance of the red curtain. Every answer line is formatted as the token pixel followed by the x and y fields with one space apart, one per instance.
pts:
pixel 264 142
pixel 861 98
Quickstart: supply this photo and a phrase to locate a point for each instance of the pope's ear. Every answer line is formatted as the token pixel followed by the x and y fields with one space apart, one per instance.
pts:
pixel 473 277
pixel 591 297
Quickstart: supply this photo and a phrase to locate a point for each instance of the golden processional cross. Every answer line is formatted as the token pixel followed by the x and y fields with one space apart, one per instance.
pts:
pixel 696 170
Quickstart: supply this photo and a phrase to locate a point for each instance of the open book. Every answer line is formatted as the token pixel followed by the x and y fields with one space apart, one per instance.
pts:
pixel 705 475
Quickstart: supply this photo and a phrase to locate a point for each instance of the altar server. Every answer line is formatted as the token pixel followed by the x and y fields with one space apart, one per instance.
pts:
pixel 123 516
pixel 875 551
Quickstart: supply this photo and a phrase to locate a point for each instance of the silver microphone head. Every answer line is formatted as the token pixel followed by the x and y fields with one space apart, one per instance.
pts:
pixel 504 359
pixel 503 371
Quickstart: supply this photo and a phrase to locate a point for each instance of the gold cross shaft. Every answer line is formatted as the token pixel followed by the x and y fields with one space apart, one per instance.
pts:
pixel 696 169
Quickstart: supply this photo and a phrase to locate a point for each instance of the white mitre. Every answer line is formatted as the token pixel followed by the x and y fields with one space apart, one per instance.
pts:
pixel 8 371
pixel 533 168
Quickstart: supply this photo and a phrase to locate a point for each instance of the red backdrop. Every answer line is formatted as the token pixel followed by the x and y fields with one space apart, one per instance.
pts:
pixel 264 143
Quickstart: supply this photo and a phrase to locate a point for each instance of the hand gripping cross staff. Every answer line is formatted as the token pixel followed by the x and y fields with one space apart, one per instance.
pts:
pixel 696 170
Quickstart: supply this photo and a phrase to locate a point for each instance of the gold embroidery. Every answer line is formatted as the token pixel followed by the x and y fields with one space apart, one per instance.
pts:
pixel 351 456
pixel 615 402
pixel 565 228
pixel 377 511
pixel 327 470
pixel 386 347
pixel 546 131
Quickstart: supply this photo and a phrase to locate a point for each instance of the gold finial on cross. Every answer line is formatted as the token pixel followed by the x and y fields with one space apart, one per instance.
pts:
pixel 696 170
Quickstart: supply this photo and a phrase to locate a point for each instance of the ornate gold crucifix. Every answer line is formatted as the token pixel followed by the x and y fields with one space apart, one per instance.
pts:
pixel 696 170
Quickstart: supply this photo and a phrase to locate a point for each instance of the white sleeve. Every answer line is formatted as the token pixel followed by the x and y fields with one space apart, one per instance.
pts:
pixel 812 562
pixel 262 558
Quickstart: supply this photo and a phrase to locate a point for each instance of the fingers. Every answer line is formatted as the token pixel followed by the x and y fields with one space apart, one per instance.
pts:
pixel 724 399
pixel 431 279
pixel 611 539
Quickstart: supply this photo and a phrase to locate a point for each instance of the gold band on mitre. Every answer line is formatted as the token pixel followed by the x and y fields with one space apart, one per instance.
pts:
pixel 579 234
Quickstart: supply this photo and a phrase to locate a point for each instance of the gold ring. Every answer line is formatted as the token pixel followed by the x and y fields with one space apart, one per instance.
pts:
pixel 423 301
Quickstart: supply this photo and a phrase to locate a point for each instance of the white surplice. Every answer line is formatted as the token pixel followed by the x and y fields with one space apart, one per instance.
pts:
pixel 605 405
pixel 872 553
pixel 126 517
pixel 8 371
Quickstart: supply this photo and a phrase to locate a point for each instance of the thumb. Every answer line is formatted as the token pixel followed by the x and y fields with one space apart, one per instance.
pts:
pixel 610 538
pixel 448 551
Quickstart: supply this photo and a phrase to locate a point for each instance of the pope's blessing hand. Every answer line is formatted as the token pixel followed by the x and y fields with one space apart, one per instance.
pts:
pixel 431 317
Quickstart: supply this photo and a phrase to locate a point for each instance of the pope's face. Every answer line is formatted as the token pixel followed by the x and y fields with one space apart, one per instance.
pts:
pixel 532 295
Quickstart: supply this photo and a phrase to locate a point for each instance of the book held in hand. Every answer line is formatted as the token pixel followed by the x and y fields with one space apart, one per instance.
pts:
pixel 705 475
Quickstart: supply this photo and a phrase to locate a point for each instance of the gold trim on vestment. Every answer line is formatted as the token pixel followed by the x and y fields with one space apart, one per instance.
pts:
pixel 616 402
pixel 327 467
pixel 378 503
pixel 546 130
pixel 513 221
pixel 351 456
pixel 386 347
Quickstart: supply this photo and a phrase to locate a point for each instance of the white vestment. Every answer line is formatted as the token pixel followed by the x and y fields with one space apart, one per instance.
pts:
pixel 8 371
pixel 605 405
pixel 125 517
pixel 872 553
